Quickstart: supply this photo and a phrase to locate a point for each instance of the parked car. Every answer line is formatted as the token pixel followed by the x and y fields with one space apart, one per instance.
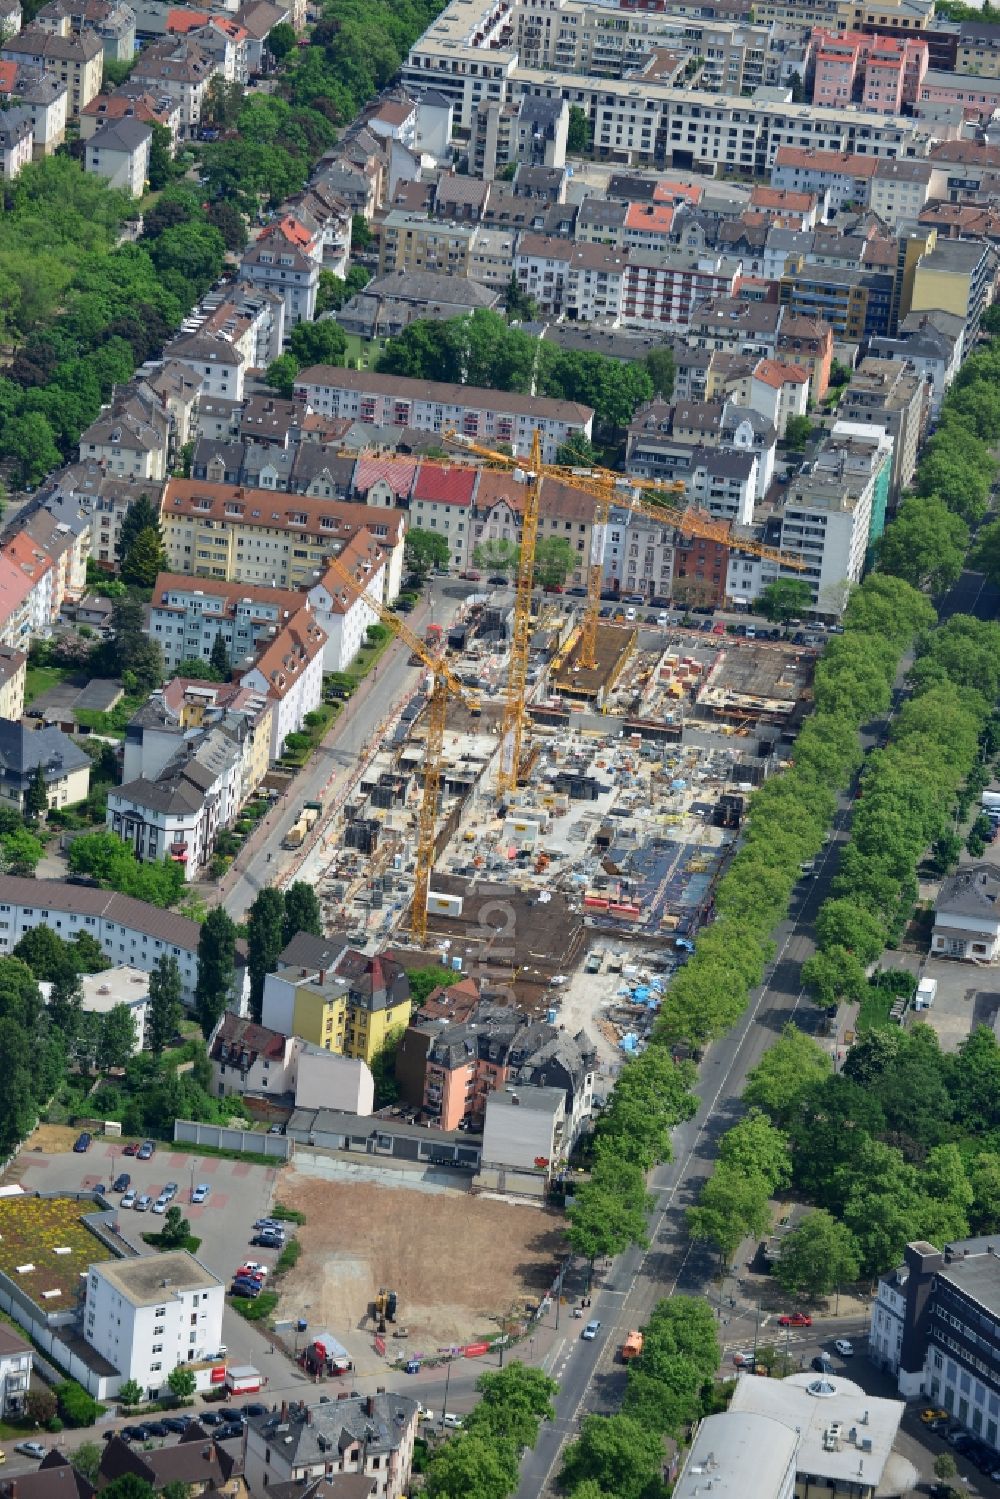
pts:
pixel 121 1182
pixel 254 1409
pixel 266 1223
pixel 590 1331
pixel 128 1200
pixel 269 1240
pixel 144 1203
pixel 132 1148
pixel 210 1418
pixel 455 1422
pixel 252 1267
pixel 795 1319
pixel 161 1204
pixel 821 1363
pixel 146 1151
pixel 201 1192
pixel 170 1191
pixel 244 1286
pixel 82 1143
pixel 178 1424
pixel 933 1413
pixel 31 1449
pixel 157 1428
pixel 844 1347
pixel 744 1360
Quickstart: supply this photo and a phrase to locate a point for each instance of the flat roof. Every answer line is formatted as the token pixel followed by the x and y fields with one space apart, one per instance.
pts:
pixel 978 1277
pixel 729 1446
pixel 114 986
pixel 152 1277
pixel 844 1435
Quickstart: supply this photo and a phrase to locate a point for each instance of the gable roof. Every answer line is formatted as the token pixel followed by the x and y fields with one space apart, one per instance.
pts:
pixel 398 473
pixel 441 484
pixel 236 1037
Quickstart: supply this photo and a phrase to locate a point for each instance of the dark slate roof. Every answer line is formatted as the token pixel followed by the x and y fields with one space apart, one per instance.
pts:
pixel 22 750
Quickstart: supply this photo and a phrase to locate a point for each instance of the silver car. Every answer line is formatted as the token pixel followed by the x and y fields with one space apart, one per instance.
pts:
pixel 144 1203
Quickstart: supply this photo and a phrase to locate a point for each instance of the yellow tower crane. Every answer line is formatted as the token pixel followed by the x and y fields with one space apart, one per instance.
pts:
pixel 446 685
pixel 512 731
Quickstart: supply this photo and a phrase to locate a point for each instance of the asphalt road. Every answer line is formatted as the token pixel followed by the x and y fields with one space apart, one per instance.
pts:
pixel 392 679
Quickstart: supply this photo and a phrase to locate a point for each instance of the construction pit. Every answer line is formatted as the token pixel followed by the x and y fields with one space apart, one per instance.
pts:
pixel 620 833
pixel 568 678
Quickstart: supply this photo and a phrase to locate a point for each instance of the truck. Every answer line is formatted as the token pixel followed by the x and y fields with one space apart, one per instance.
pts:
pixel 325 1355
pixel 243 1379
pixel 632 1346
pixel 295 836
pixel 926 994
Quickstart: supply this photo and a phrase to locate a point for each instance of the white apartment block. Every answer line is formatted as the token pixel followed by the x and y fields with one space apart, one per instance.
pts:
pixel 290 673
pixel 150 1315
pixel 486 416
pixel 187 615
pixel 344 616
pixel 130 931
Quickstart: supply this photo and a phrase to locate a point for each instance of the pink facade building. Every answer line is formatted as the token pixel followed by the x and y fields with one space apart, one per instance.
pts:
pixel 881 73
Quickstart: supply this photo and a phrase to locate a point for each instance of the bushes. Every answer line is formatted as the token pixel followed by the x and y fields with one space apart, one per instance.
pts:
pixel 75 1406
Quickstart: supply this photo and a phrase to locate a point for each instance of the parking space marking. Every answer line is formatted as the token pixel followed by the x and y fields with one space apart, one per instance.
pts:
pixel 242 1168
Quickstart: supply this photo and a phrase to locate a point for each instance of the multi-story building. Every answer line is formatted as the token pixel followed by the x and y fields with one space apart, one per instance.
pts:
pixel 898 190
pixel 130 931
pixel 17 133
pixel 175 713
pixel 411 242
pixel 290 672
pixel 532 131
pixel 65 767
pixel 127 445
pixel 108 109
pixel 186 617
pixel 484 415
pixel 180 70
pixel 344 615
pixel 370 1435
pixel 927 345
pixel 249 1058
pixel 120 153
pixel 336 998
pixel 955 276
pixel 76 61
pixel 13 668
pixel 149 1315
pixel 895 399
pixel 844 175
pixel 833 514
pixel 15 1373
pixel 936 1326
pixel 178 814
pixel 44 95
pixel 855 304
pixel 287 259
pixel 808 342
pixel 267 537
pixel 35 564
pixel 729 324
pixel 977 97
pixel 562 511
pixel 977 49
pixel 110 20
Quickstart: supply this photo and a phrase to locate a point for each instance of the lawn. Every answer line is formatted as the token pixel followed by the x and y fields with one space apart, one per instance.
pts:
pixel 47 1233
pixel 39 679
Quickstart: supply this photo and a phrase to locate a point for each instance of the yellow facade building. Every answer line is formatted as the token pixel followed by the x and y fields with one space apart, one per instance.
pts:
pixel 354 1008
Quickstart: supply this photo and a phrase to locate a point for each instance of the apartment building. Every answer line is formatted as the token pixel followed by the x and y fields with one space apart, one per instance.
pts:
pixel 894 398
pixel 978 49
pixel 562 511
pixel 532 131
pixel 290 672
pixel 727 323
pixel 370 1435
pixel 187 617
pixel 180 70
pixel 36 565
pixel 488 416
pixel 808 342
pixel 926 345
pixel 977 97
pixel 17 133
pixel 178 814
pixel 13 669
pixel 76 61
pixel 856 304
pixel 130 931
pixel 46 98
pixel 341 613
pixel 583 282
pixel 844 176
pixel 665 290
pixel 955 276
pixel 287 259
pixel 881 73
pixel 110 20
pixel 337 998
pixel 149 1315
pixel 898 190
pixel 264 537
pixel 184 706
pixel 410 242
pixel 835 512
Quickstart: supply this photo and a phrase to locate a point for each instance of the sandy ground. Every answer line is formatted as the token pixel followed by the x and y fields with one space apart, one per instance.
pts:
pixel 50 1138
pixel 457 1264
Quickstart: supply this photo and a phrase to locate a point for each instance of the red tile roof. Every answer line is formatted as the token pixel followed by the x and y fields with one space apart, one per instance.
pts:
pixel 445 485
pixel 398 473
pixel 180 20
pixel 8 77
pixel 658 216
pixel 771 372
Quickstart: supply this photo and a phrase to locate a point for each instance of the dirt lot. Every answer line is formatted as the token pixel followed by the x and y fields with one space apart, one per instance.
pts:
pixel 455 1262
pixel 51 1138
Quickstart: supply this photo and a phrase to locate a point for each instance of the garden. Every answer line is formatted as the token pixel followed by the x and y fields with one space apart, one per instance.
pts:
pixel 48 1234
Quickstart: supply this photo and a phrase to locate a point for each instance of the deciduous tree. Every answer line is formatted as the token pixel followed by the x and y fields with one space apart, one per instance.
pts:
pixel 163 1014
pixel 817 1255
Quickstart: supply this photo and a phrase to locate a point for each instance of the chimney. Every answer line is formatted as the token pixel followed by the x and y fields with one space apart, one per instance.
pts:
pixel 284 1411
pixel 309 1415
pixel 370 1405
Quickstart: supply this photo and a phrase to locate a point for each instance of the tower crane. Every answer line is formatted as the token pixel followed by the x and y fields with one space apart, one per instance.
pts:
pixel 446 684
pixel 512 731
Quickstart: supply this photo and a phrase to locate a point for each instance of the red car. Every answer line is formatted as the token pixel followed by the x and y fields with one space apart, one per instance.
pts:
pixel 796 1319
pixel 132 1148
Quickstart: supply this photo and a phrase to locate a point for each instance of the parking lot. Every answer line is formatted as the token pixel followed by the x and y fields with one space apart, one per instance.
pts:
pixel 240 1193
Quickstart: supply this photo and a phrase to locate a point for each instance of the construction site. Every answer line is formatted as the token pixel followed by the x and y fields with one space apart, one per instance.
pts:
pixel 556 787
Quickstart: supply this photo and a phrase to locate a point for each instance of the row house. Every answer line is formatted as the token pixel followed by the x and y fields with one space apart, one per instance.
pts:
pixel 185 708
pixel 75 60
pixel 46 98
pixel 663 290
pixel 220 37
pixel 894 398
pixel 16 605
pixel 290 672
pixel 930 344
pixel 977 98
pixel 582 282
pixel 488 416
pixel 33 563
pixel 91 505
pixel 844 176
pixel 258 19
pixel 319 209
pixel 730 324
pixel 260 536
pixel 131 439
